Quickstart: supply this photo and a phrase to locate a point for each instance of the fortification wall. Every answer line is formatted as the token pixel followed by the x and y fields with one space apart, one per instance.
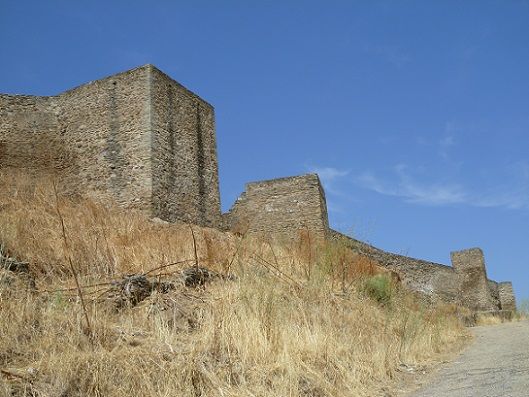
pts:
pixel 184 163
pixel 29 134
pixel 474 289
pixel 282 207
pixel 105 124
pixel 141 139
pixel 439 283
pixel 506 295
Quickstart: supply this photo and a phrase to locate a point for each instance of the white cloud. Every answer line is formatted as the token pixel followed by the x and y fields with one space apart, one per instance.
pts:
pixel 443 142
pixel 514 195
pixel 408 184
pixel 328 174
pixel 412 191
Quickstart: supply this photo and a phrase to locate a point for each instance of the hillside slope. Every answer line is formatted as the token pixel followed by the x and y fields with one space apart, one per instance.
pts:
pixel 296 319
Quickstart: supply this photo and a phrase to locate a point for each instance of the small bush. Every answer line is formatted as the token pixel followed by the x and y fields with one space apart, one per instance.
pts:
pixel 380 288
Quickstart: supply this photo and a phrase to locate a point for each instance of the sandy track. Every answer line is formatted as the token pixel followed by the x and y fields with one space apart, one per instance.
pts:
pixel 496 364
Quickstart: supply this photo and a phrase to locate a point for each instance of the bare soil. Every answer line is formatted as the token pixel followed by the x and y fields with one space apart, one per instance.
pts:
pixel 495 364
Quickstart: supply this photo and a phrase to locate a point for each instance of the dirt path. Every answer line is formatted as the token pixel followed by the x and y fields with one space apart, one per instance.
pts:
pixel 496 364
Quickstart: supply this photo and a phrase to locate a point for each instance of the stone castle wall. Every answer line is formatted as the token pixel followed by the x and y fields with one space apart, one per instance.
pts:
pixel 437 282
pixel 286 206
pixel 29 133
pixel 464 283
pixel 495 293
pixel 141 139
pixel 281 207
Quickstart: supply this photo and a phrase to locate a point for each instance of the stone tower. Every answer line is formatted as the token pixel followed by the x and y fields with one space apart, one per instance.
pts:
pixel 475 291
pixel 137 137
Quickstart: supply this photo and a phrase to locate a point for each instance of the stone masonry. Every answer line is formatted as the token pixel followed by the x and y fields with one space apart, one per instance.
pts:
pixel 464 283
pixel 144 141
pixel 506 295
pixel 281 207
pixel 434 281
pixel 475 290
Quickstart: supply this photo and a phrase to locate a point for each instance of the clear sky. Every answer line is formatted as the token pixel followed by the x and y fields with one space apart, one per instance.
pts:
pixel 415 114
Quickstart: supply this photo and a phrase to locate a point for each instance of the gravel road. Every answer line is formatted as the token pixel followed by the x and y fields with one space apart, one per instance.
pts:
pixel 496 364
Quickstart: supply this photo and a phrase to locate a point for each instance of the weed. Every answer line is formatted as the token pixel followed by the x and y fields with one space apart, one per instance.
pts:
pixel 380 288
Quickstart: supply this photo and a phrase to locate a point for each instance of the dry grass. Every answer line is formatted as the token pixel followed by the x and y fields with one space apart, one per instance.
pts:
pixel 298 320
pixel 488 319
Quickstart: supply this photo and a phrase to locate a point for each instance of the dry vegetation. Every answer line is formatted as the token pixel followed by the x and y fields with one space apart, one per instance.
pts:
pixel 300 319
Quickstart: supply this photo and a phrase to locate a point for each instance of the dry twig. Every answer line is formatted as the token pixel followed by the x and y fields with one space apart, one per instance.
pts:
pixel 69 257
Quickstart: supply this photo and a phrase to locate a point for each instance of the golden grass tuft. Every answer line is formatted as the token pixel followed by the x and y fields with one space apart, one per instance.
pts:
pixel 297 320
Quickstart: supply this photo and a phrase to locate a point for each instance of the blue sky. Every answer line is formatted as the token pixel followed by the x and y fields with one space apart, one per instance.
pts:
pixel 414 113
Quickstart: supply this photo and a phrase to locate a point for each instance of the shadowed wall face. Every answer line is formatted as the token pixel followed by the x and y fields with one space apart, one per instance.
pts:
pixel 474 287
pixel 506 295
pixel 184 157
pixel 495 293
pixel 281 207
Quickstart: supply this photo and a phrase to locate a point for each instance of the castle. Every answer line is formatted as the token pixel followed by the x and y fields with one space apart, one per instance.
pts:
pixel 141 139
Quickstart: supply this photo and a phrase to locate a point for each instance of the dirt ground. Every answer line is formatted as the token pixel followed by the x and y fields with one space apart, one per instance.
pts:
pixel 495 364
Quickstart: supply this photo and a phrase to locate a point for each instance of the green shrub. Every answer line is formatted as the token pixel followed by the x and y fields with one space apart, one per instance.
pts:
pixel 379 288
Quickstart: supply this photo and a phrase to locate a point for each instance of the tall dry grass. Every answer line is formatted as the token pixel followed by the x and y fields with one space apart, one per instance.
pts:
pixel 299 320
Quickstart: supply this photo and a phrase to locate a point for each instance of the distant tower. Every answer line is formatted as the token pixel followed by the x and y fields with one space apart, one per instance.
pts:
pixel 138 138
pixel 506 295
pixel 475 291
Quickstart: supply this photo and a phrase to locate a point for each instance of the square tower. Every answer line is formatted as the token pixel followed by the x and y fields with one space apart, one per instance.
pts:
pixel 137 138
